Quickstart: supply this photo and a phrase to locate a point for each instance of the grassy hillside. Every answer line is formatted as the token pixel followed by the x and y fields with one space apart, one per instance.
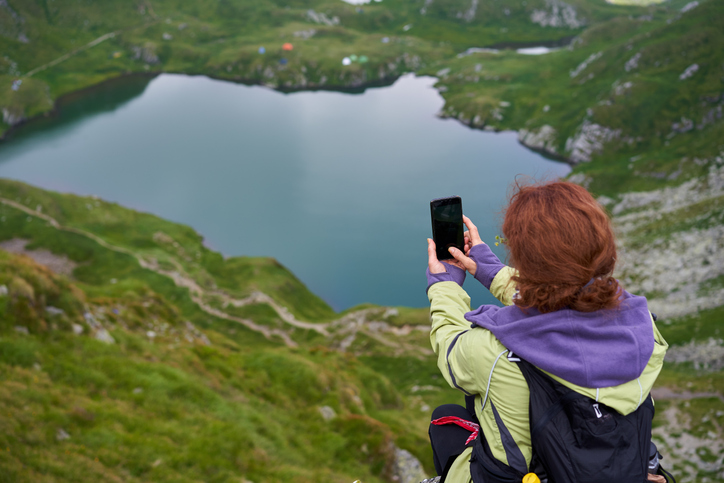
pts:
pixel 161 360
pixel 121 372
pixel 646 87
pixel 145 363
pixel 58 47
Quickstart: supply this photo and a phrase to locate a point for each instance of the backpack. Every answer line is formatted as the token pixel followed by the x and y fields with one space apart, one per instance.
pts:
pixel 574 438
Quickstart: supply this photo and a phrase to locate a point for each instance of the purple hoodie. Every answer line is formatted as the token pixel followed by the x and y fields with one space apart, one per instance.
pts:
pixel 590 349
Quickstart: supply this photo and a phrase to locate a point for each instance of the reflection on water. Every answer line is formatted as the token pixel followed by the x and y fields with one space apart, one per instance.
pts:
pixel 73 108
pixel 335 186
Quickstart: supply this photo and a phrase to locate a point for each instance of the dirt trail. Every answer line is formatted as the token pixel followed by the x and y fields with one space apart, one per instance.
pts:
pixel 58 263
pixel 87 46
pixel 348 326
pixel 666 393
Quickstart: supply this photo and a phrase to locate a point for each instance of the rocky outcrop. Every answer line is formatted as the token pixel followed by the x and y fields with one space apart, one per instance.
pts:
pixel 690 71
pixel 557 14
pixel 407 468
pixel 693 452
pixel 677 267
pixel 322 18
pixel 632 63
pixel 13 116
pixel 707 356
pixel 147 53
pixel 675 270
pixel 589 140
pixel 583 65
pixel 469 14
pixel 543 139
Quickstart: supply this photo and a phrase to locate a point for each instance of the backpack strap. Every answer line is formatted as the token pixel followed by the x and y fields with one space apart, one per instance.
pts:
pixel 484 467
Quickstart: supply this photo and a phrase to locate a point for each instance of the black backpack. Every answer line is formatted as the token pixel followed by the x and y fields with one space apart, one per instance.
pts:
pixel 575 439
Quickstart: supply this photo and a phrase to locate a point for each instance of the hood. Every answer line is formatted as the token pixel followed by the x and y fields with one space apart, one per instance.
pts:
pixel 590 349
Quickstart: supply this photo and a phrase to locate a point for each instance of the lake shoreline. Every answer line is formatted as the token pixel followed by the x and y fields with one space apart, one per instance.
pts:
pixel 84 91
pixel 142 145
pixel 75 95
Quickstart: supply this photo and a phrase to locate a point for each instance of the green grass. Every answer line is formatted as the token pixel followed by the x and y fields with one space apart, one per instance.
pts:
pixel 168 407
pixel 171 408
pixel 206 412
pixel 700 327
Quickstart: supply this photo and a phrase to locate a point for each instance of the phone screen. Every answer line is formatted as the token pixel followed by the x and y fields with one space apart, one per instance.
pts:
pixel 447 225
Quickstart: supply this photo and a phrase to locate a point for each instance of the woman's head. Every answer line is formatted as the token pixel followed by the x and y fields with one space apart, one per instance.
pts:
pixel 559 239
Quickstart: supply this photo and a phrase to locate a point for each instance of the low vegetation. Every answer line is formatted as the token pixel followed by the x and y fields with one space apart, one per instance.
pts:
pixel 118 372
pixel 143 355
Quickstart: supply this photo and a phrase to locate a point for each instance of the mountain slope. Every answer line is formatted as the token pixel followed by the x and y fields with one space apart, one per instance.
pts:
pixel 126 371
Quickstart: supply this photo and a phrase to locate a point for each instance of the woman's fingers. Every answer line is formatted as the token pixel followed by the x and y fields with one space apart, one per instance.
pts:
pixel 466 262
pixel 433 263
pixel 472 231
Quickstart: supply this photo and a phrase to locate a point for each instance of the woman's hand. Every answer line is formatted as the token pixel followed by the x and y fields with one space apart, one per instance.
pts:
pixel 435 265
pixel 472 238
pixel 460 259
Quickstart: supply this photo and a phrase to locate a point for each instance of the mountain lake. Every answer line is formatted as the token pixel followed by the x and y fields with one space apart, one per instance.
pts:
pixel 335 186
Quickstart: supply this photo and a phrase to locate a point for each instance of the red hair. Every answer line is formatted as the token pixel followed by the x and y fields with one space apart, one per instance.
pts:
pixel 560 239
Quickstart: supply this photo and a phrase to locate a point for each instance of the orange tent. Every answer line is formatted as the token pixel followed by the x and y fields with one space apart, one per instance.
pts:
pixel 287 46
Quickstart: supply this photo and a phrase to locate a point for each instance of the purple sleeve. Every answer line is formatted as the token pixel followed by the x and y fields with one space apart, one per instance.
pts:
pixel 453 274
pixel 488 264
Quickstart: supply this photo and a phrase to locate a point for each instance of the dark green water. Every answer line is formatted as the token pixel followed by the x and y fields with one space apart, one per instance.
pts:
pixel 335 186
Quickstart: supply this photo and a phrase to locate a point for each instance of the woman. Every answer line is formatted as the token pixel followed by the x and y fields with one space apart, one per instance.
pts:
pixel 564 313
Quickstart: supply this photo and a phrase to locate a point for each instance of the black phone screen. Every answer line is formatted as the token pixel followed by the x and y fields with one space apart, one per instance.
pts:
pixel 447 225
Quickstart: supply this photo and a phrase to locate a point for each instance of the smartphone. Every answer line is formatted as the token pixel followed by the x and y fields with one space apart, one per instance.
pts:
pixel 447 225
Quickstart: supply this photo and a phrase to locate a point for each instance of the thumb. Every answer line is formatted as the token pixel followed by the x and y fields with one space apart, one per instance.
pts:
pixel 467 262
pixel 431 255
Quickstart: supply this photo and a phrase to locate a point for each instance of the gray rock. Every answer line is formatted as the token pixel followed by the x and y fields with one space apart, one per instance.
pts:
pixel 147 53
pixel 583 65
pixel 632 63
pixel 708 355
pixel 13 116
pixel 469 14
pixel 557 14
pixel 605 200
pixel 690 71
pixel 580 179
pixel 676 267
pixel 50 310
pixel 590 139
pixel 407 468
pixel 689 6
pixel 620 89
pixel 685 125
pixel 327 413
pixel 103 336
pixel 322 18
pixel 543 139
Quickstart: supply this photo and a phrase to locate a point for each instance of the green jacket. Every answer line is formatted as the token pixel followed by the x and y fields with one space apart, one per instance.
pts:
pixel 478 365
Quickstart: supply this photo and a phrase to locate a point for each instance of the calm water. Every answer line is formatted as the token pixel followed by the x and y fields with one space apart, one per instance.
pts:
pixel 335 186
